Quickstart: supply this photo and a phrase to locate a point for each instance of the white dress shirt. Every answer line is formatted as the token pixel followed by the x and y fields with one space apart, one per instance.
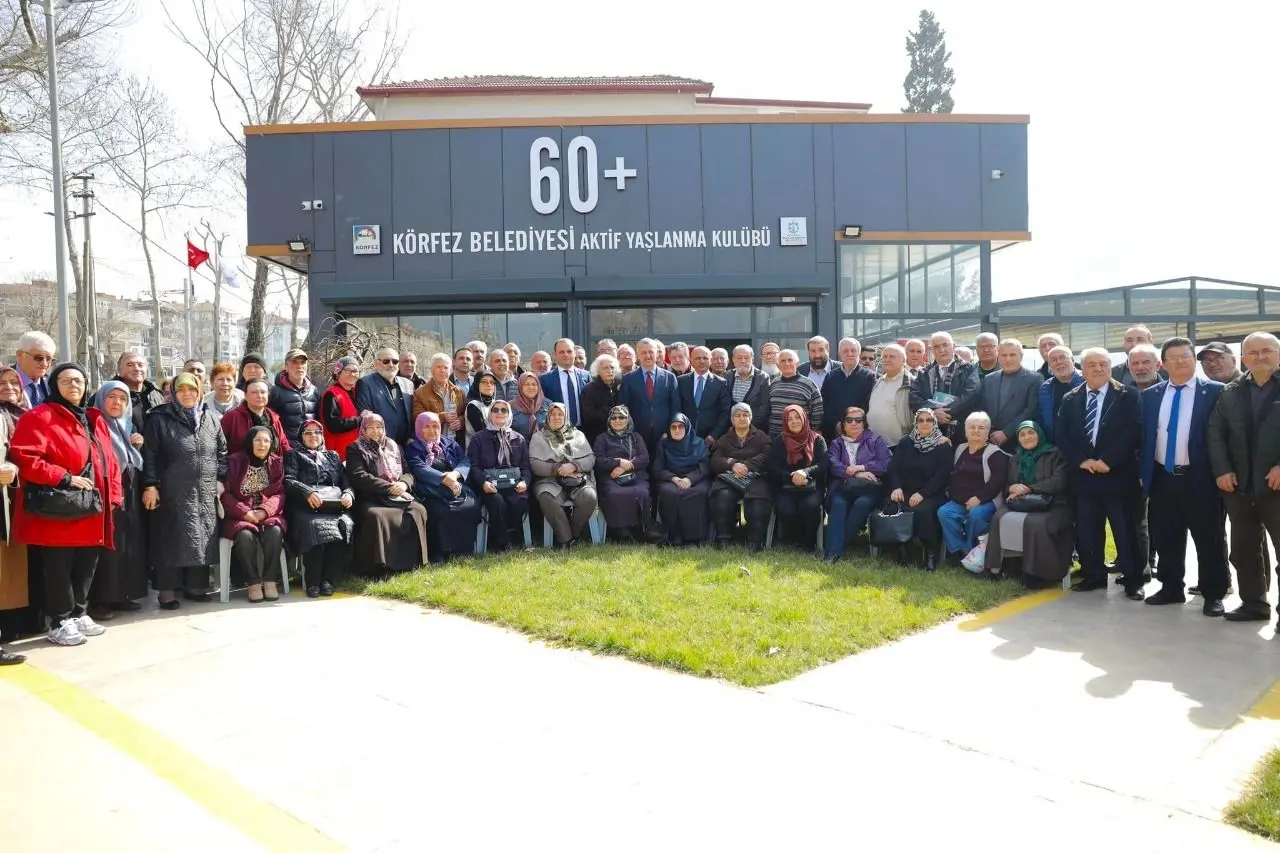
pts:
pixel 1186 405
pixel 568 387
pixel 1102 399
pixel 819 376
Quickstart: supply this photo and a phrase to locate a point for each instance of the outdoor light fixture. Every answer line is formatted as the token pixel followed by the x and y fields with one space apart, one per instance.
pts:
pixel 852 232
pixel 299 247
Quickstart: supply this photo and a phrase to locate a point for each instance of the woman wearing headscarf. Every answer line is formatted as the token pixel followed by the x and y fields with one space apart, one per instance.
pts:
pixel 858 463
pixel 918 476
pixel 530 406
pixel 600 396
pixel 253 514
pixel 391 527
pixel 1043 538
pixel 251 413
pixel 798 463
pixel 622 476
pixel 13 554
pixel 681 469
pixel 338 412
pixel 121 578
pixel 318 500
pixel 65 445
pixel 739 465
pixel 499 455
pixel 184 460
pixel 562 463
pixel 440 469
pixel 480 396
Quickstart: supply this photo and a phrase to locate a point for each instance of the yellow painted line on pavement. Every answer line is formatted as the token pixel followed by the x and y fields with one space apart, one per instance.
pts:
pixel 217 792
pixel 1011 608
pixel 1268 705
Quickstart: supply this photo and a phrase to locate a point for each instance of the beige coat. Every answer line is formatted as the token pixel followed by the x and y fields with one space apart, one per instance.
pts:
pixel 13 556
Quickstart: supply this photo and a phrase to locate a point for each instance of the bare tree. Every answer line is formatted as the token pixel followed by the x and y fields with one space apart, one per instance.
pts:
pixel 150 162
pixel 294 286
pixel 282 61
pixel 212 243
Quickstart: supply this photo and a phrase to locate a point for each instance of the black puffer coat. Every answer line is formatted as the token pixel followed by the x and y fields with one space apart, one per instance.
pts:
pixel 294 406
pixel 143 401
pixel 185 465
pixel 305 472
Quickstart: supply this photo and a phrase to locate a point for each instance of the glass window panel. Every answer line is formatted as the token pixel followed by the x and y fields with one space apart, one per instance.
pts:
pixel 916 279
pixel 968 278
pixel 490 328
pixel 1226 299
pixel 1160 300
pixel 1082 335
pixel 864 267
pixel 1040 308
pixel 1272 301
pixel 367 334
pixel 1094 304
pixel 799 343
pixel 536 330
pixel 703 321
pixel 880 330
pixel 785 318
pixel 1160 332
pixel 619 323
pixel 427 334
pixel 1238 329
pixel 939 283
pixel 889 296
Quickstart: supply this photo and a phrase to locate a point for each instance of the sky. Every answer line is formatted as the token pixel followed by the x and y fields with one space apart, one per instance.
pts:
pixel 1151 138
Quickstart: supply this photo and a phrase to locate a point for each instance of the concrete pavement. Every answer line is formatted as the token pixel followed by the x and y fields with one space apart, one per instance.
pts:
pixel 374 726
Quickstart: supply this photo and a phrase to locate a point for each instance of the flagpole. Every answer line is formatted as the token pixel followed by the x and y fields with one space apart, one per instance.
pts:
pixel 186 302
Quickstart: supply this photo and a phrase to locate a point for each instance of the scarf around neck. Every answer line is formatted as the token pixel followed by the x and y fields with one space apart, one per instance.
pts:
pixel 121 428
pixel 559 439
pixel 1027 458
pixel 382 457
pixel 799 445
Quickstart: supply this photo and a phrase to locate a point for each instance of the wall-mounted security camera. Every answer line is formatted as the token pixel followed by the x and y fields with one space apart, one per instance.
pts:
pixel 996 174
pixel 318 204
pixel 306 207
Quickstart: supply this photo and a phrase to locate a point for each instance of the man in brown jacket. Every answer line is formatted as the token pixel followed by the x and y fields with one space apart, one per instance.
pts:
pixel 441 396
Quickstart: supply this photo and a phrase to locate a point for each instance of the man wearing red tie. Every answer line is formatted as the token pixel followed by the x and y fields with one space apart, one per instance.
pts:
pixel 649 392
pixel 564 383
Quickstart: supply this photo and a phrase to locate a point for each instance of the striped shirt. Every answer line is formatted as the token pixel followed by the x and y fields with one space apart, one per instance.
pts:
pixel 740 386
pixel 796 390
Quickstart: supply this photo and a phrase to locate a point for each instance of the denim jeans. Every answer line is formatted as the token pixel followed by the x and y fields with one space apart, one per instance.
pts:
pixel 847 515
pixel 961 528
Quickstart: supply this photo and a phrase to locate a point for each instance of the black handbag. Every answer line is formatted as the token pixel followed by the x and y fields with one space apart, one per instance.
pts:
pixel 895 529
pixel 502 478
pixel 739 483
pixel 626 478
pixel 330 500
pixel 577 481
pixel 1030 503
pixel 67 503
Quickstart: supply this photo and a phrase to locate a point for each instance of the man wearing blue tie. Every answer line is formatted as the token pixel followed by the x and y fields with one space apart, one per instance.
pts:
pixel 1177 475
pixel 564 383
pixel 34 360
pixel 649 392
pixel 705 398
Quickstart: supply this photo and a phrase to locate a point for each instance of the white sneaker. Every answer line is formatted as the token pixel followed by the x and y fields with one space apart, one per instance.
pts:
pixel 88 627
pixel 66 634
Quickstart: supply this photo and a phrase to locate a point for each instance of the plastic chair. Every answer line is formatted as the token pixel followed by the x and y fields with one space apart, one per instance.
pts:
pixel 773 519
pixel 224 570
pixel 482 532
pixel 596 525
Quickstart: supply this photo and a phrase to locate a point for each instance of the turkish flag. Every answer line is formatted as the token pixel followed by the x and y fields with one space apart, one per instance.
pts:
pixel 195 255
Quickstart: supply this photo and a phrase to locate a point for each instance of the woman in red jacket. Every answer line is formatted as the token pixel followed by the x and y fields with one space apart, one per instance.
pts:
pixel 63 444
pixel 338 413
pixel 253 509
pixel 251 413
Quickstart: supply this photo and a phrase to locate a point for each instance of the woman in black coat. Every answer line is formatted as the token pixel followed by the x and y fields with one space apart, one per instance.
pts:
pixel 798 465
pixel 918 476
pixel 599 397
pixel 184 460
pixel 320 534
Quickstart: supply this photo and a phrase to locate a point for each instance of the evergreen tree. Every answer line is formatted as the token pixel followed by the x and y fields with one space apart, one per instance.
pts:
pixel 928 83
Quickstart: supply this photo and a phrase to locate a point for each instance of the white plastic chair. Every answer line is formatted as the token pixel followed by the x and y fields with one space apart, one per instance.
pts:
pixel 595 525
pixel 224 570
pixel 773 519
pixel 482 532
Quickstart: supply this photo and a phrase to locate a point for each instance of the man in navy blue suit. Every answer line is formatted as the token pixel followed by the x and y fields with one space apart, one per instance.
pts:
pixel 1097 432
pixel 1177 475
pixel 705 398
pixel 564 382
pixel 649 392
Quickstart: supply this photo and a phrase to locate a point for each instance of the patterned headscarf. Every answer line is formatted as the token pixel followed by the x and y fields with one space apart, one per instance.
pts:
pixel 924 443
pixel 502 433
pixel 799 445
pixel 121 428
pixel 558 439
pixel 435 449
pixel 382 457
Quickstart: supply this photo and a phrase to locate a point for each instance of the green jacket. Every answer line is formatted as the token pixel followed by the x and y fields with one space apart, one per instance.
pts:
pixel 1233 448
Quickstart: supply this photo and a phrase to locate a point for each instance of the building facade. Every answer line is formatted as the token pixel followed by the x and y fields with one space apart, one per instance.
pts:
pixel 671 214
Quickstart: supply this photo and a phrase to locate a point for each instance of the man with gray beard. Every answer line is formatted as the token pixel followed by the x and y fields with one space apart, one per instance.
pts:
pixel 387 393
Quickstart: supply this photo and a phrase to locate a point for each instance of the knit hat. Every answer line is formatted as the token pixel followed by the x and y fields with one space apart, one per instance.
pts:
pixel 252 358
pixel 345 362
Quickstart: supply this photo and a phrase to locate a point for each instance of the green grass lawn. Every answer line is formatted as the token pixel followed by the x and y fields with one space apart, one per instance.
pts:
pixel 1258 809
pixel 749 618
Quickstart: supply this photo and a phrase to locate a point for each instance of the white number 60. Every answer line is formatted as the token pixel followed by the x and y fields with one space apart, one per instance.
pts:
pixel 582 199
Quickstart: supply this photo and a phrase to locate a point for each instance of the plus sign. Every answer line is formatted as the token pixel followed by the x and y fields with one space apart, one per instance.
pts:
pixel 619 173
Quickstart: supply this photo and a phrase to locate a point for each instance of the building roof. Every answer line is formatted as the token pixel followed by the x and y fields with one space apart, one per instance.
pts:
pixel 523 84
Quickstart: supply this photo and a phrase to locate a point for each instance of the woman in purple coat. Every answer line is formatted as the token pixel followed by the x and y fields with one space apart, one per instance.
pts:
pixel 859 461
pixel 253 510
pixel 494 452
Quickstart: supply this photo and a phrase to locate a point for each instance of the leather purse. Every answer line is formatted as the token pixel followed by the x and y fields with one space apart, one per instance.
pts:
pixel 502 478
pixel 67 503
pixel 1030 503
pixel 330 500
pixel 577 481
pixel 626 478
pixel 739 483
pixel 895 529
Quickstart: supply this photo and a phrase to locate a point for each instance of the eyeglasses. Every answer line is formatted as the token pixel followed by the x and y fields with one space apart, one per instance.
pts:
pixel 38 357
pixel 924 420
pixel 312 432
pixel 617 417
pixel 70 380
pixel 856 420
pixel 351 371
pixel 389 360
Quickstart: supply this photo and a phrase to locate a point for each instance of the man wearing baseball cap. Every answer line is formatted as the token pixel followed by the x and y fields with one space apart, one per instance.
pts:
pixel 294 397
pixel 1219 362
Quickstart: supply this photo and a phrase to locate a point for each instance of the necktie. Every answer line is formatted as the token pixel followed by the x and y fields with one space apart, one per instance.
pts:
pixel 648 385
pixel 697 389
pixel 573 398
pixel 1091 415
pixel 39 392
pixel 1171 432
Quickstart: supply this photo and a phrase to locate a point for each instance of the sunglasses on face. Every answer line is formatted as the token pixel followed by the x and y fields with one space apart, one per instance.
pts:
pixel 617 417
pixel 390 361
pixel 856 420
pixel 312 432
pixel 42 359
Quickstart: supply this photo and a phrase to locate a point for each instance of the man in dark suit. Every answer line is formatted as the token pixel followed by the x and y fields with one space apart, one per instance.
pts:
pixel 848 384
pixel 1097 432
pixel 385 392
pixel 1009 395
pixel 1178 477
pixel 649 392
pixel 704 397
pixel 948 383
pixel 564 382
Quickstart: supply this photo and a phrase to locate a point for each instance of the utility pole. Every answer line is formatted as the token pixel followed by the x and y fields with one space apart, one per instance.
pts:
pixel 59 187
pixel 87 302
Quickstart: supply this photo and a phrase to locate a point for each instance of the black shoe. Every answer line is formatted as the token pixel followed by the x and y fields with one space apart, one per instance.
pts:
pixel 198 596
pixel 125 606
pixel 1134 593
pixel 313 592
pixel 1167 596
pixel 930 561
pixel 11 658
pixel 830 559
pixel 171 604
pixel 1213 607
pixel 1244 614
pixel 101 613
pixel 901 556
pixel 326 589
pixel 1089 585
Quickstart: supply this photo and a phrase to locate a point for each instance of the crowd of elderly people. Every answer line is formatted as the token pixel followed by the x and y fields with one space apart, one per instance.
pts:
pixel 950 452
